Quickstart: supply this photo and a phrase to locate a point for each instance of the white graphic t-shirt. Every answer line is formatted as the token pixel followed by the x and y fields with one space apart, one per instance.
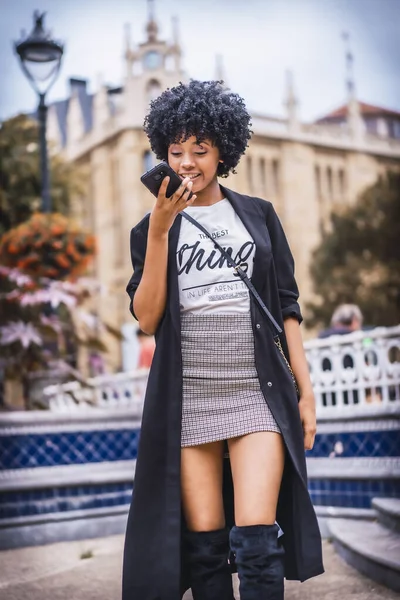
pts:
pixel 206 282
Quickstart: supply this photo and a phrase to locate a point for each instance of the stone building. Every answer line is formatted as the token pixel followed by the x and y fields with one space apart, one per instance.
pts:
pixel 305 169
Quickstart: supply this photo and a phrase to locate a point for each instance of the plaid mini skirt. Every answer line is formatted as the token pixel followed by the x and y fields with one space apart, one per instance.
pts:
pixel 221 398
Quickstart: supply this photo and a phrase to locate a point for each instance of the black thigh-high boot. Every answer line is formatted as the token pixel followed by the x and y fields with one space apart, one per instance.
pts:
pixel 210 573
pixel 259 560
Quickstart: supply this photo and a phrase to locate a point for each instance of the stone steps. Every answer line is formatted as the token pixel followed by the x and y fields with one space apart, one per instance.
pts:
pixel 370 547
pixel 388 512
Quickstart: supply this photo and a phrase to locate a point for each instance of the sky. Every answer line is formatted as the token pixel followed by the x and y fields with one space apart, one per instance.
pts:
pixel 259 41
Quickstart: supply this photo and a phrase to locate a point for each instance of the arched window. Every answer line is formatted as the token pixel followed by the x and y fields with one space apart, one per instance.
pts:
pixel 329 182
pixel 342 182
pixel 263 178
pixel 318 181
pixel 153 89
pixel 276 176
pixel 249 163
pixel 320 199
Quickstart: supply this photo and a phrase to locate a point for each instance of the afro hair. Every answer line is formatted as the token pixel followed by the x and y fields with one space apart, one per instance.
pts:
pixel 205 109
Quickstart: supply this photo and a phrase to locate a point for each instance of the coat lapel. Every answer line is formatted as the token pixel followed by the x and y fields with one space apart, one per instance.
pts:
pixel 173 289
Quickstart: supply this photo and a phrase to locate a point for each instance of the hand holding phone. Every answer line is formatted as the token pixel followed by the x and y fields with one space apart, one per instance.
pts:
pixel 153 179
pixel 173 196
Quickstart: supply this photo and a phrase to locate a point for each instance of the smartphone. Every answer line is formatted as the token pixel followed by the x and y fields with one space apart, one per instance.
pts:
pixel 152 179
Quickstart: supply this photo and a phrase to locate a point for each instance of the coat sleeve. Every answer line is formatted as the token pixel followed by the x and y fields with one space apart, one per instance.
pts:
pixel 284 266
pixel 138 243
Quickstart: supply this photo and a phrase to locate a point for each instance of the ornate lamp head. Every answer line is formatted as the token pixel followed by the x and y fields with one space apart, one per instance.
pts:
pixel 40 55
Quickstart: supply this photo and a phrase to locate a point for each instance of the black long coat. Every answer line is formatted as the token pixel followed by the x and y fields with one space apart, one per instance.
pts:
pixel 154 566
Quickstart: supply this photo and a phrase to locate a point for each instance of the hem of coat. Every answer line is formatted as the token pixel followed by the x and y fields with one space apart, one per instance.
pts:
pixel 131 307
pixel 320 570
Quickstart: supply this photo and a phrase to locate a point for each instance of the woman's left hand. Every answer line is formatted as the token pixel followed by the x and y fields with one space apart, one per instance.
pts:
pixel 299 364
pixel 308 419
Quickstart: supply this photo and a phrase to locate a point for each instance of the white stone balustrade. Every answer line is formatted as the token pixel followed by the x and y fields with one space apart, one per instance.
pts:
pixel 352 374
pixel 356 373
pixel 116 390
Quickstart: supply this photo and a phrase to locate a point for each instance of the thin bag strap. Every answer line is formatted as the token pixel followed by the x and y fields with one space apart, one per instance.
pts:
pixel 238 270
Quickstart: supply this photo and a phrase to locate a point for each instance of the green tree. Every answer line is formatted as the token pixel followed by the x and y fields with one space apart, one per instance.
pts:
pixel 358 262
pixel 20 187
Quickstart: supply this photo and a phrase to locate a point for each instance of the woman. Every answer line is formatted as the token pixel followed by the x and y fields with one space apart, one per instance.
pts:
pixel 218 382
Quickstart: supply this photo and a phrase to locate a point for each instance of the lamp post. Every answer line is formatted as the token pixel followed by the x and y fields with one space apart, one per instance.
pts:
pixel 40 61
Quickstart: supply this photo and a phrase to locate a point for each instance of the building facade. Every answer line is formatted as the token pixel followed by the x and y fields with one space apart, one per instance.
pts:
pixel 306 169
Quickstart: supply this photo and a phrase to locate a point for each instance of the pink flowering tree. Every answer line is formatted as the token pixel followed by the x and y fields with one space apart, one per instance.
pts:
pixel 41 322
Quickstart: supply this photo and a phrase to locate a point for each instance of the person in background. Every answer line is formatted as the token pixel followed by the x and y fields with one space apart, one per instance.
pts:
pixel 345 319
pixel 146 349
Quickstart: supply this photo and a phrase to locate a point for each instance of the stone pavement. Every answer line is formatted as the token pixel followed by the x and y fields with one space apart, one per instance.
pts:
pixel 91 570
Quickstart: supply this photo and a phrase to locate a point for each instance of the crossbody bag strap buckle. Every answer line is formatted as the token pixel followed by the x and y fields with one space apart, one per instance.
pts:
pixel 239 270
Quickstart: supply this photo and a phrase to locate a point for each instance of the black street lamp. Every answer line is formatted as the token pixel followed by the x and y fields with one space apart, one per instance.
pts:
pixel 40 61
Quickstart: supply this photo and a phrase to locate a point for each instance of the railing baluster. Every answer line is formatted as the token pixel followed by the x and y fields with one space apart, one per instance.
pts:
pixel 350 374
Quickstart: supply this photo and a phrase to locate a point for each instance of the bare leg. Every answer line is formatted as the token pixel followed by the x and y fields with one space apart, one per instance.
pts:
pixel 201 485
pixel 207 541
pixel 257 462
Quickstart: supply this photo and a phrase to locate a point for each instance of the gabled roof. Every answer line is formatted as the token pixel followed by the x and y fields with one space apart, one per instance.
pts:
pixel 367 110
pixel 79 87
pixel 61 108
pixel 85 100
